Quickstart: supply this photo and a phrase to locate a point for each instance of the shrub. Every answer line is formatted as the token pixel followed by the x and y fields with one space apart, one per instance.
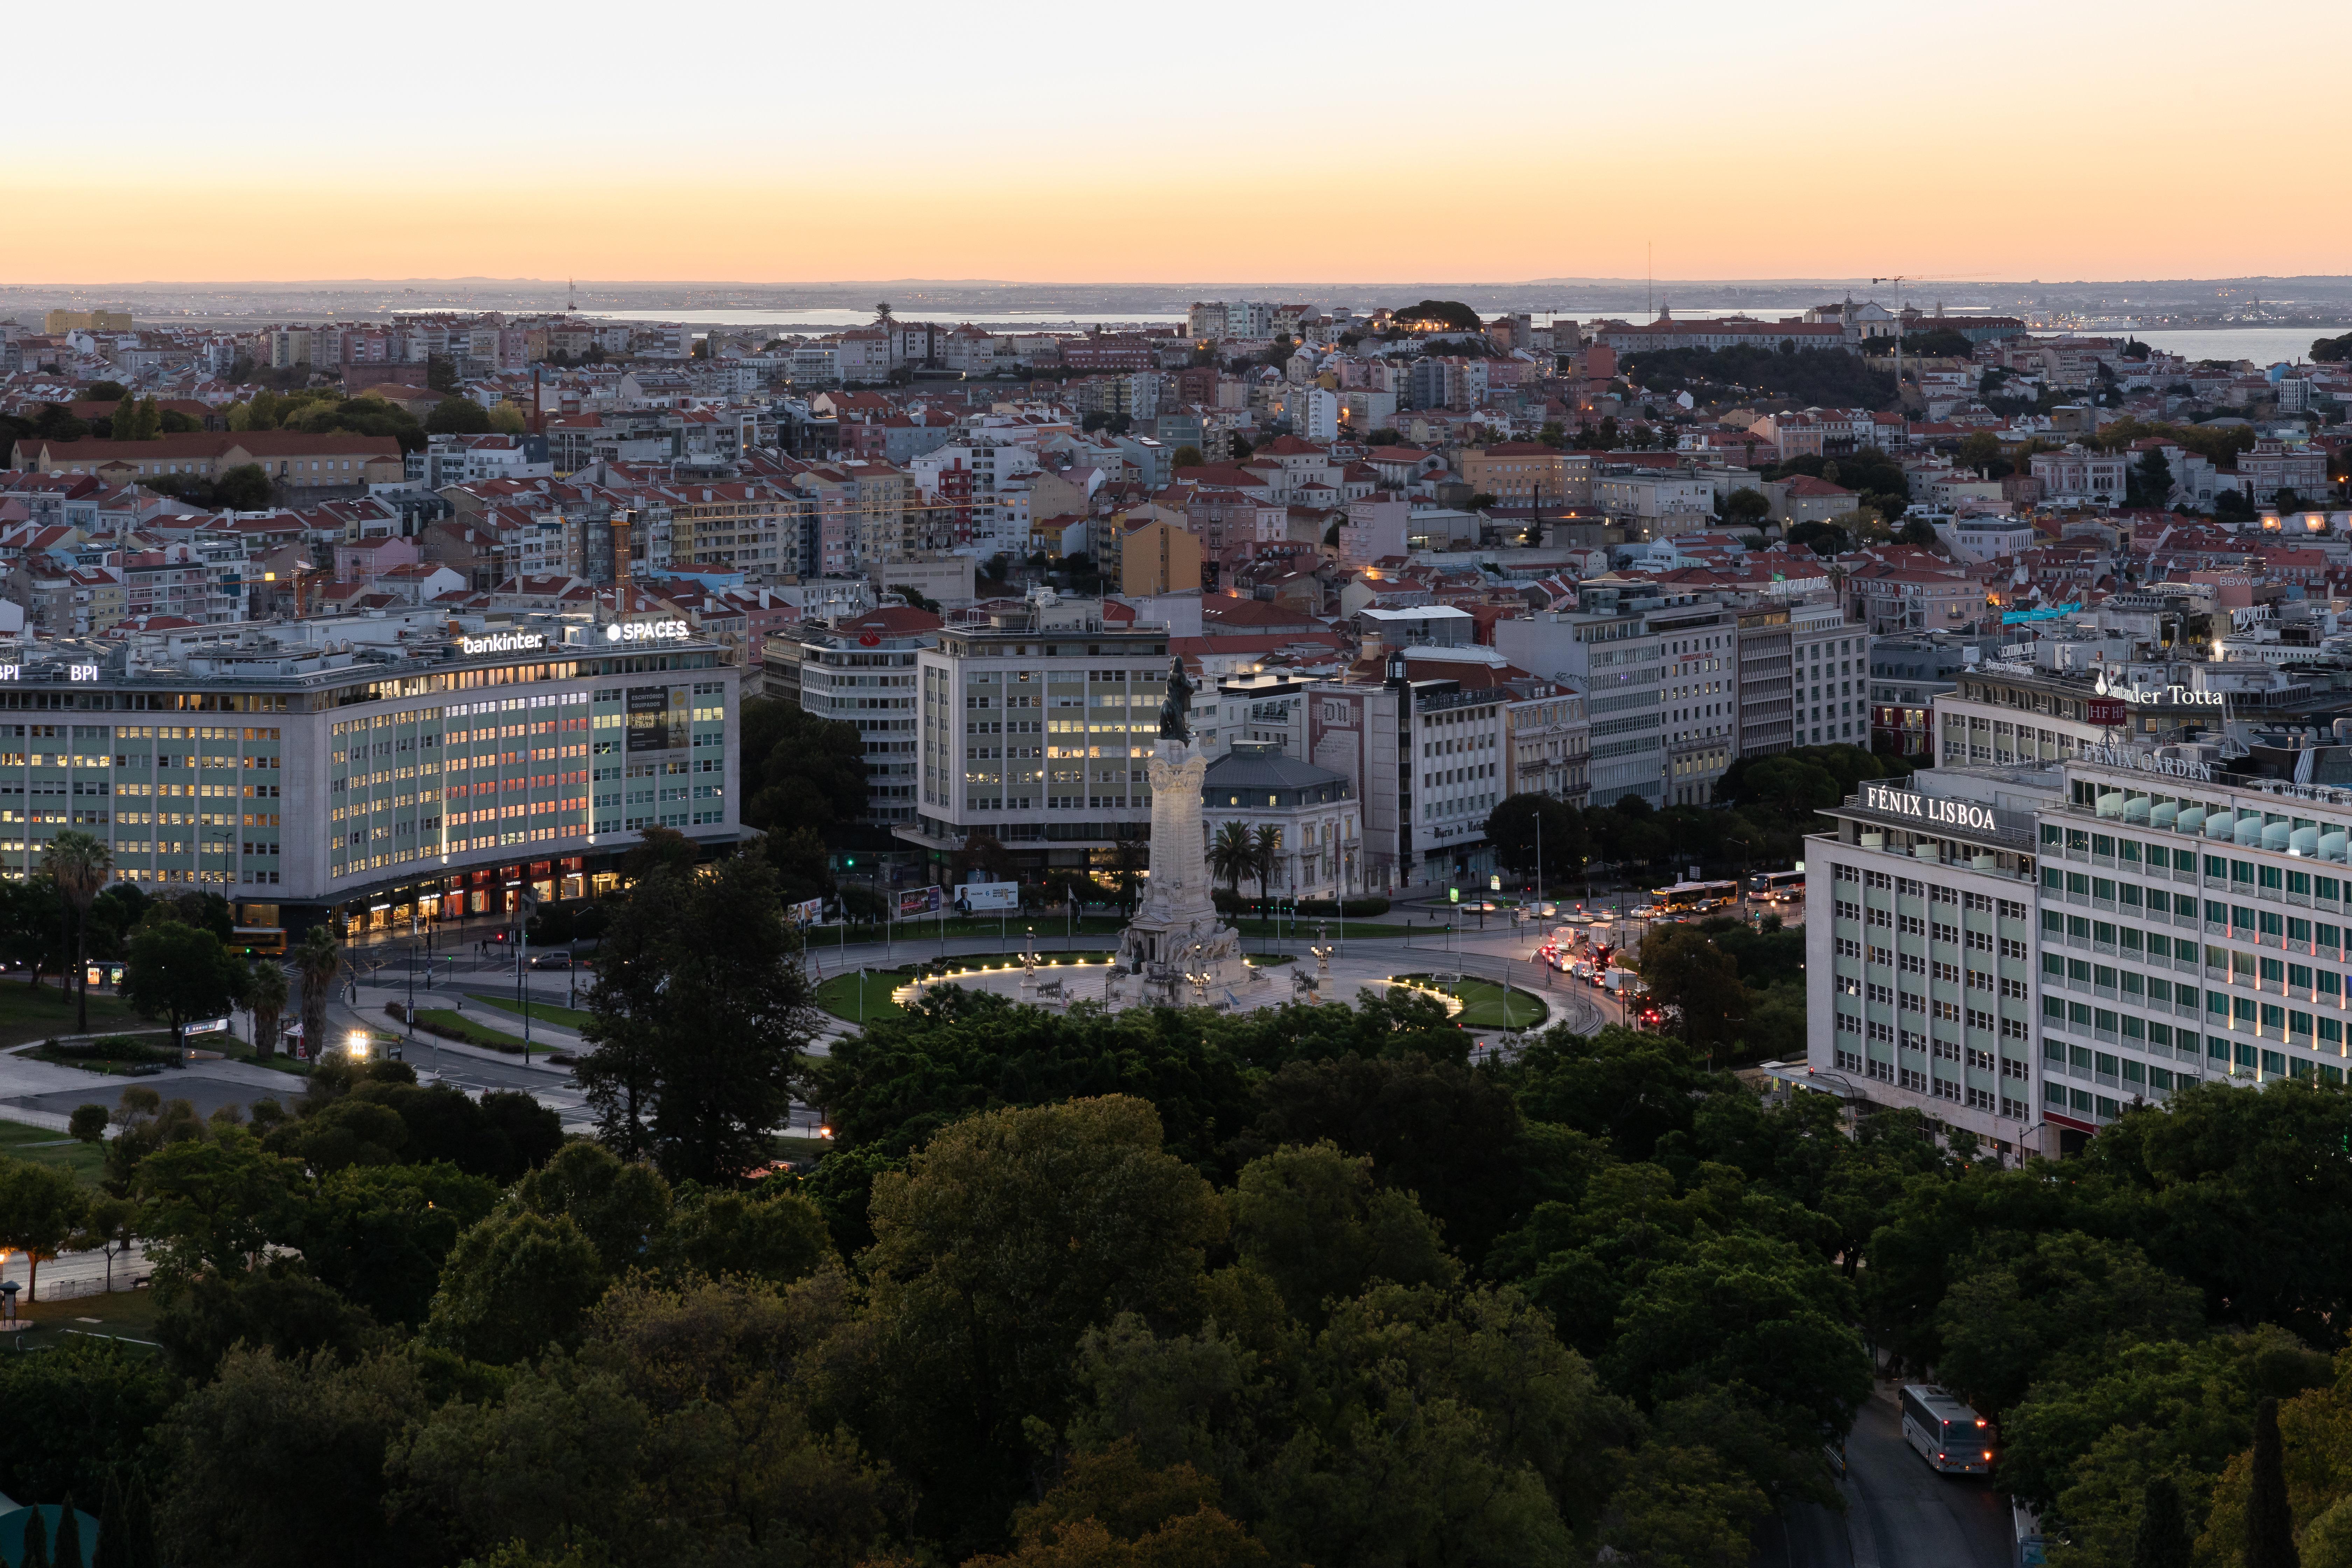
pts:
pixel 1347 909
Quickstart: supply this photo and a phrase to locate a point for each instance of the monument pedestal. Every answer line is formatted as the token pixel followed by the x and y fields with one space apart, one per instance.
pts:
pixel 1177 945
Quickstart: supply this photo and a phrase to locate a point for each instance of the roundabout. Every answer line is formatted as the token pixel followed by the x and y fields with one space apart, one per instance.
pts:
pixel 1065 981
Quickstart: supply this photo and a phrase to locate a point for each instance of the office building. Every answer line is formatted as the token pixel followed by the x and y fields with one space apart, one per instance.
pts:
pixel 1830 660
pixel 373 771
pixel 1036 728
pixel 860 669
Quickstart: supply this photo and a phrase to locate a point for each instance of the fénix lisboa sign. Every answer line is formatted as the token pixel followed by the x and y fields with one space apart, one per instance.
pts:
pixel 1928 808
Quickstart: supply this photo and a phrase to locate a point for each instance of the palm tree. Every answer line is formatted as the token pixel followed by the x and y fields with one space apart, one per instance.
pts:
pixel 1266 852
pixel 1129 857
pixel 265 997
pixel 318 961
pixel 1232 856
pixel 79 864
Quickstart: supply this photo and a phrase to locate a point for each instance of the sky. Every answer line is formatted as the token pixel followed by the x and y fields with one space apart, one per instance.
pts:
pixel 1049 141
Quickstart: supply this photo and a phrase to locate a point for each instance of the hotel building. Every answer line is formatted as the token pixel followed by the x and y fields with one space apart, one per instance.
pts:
pixel 2083 936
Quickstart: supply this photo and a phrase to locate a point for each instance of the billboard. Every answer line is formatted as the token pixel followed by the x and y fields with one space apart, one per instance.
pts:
pixel 657 718
pixel 988 898
pixel 916 902
pixel 806 913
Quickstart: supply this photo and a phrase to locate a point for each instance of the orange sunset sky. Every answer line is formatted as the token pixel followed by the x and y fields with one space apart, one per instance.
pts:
pixel 1067 142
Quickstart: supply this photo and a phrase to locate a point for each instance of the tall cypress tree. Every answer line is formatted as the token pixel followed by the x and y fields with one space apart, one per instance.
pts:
pixel 111 1536
pixel 2163 1538
pixel 69 1553
pixel 2270 1526
pixel 36 1551
pixel 139 1527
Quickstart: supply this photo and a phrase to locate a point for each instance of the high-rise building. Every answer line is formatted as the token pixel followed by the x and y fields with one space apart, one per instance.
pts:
pixel 1036 728
pixel 371 771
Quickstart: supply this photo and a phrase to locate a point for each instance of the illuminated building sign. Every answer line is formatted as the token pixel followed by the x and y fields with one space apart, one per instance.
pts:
pixel 645 631
pixel 505 642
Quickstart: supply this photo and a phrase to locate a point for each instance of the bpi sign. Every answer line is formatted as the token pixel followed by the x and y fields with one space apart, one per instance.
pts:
pixel 1928 808
pixel 645 631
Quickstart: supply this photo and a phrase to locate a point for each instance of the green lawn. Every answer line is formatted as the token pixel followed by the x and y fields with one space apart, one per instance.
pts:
pixel 839 995
pixel 112 1053
pixel 28 1013
pixel 463 1026
pixel 573 1018
pixel 1487 1005
pixel 46 1146
pixel 117 1314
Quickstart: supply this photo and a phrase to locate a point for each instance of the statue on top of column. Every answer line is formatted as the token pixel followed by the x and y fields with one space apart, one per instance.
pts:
pixel 1179 703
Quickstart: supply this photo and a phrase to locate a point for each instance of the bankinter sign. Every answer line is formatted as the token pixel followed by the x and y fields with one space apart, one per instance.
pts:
pixel 504 642
pixel 1928 808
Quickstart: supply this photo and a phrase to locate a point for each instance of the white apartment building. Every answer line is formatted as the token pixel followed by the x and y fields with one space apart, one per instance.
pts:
pixel 1699 698
pixel 1659 681
pixel 1551 748
pixel 859 670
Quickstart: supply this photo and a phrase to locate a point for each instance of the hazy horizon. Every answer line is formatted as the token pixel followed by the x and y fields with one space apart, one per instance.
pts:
pixel 1070 142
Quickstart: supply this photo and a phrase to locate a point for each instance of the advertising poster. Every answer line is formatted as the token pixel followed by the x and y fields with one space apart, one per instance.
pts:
pixel 657 718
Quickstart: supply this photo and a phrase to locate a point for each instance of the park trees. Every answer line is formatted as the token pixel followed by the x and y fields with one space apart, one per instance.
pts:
pixel 1685 970
pixel 700 1009
pixel 179 974
pixel 41 1208
pixel 1521 825
pixel 1006 1240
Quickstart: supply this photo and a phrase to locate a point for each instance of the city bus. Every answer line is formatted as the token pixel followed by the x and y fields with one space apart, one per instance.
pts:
pixel 1777 887
pixel 1949 1436
pixel 1692 897
pixel 255 940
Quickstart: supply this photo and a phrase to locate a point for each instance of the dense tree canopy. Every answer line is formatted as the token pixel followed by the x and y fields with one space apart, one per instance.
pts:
pixel 1169 1287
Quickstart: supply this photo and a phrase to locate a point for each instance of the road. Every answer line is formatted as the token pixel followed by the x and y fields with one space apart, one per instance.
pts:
pixel 1899 1513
